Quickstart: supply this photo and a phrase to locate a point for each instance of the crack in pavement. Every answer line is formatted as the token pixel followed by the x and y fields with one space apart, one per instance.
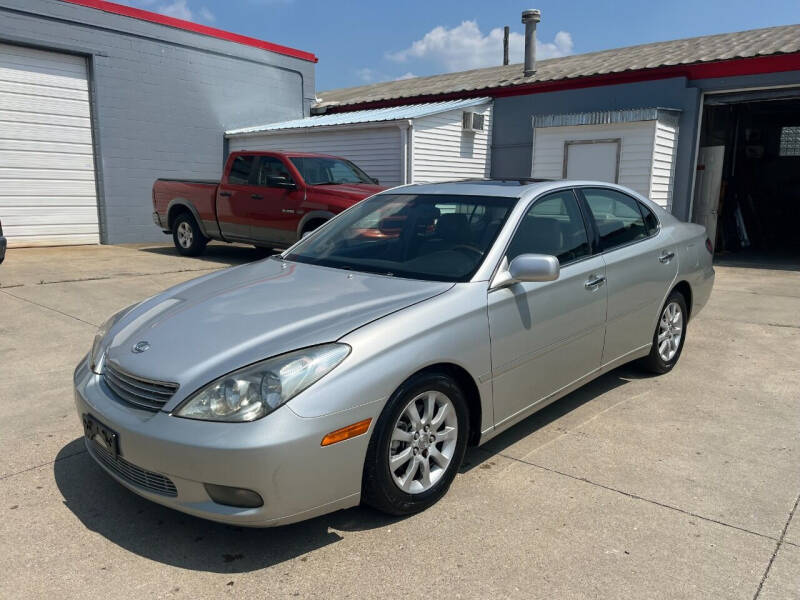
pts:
pixel 634 496
pixel 44 464
pixel 55 310
pixel 113 275
pixel 781 541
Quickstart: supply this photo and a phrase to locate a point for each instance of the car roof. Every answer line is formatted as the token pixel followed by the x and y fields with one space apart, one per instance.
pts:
pixel 511 188
pixel 286 153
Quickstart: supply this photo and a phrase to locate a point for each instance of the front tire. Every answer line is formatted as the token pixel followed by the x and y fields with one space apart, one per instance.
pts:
pixel 186 235
pixel 669 335
pixel 417 446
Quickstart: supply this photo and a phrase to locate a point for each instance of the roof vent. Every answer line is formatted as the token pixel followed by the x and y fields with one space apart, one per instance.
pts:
pixel 471 121
pixel 530 18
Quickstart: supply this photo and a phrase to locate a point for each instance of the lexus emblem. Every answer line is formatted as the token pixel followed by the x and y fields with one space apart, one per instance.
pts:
pixel 140 347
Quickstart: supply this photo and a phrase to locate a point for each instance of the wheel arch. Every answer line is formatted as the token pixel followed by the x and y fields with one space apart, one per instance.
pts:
pixel 178 206
pixel 686 291
pixel 471 394
pixel 314 215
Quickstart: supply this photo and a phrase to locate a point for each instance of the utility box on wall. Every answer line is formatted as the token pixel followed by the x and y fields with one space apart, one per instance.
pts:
pixel 635 148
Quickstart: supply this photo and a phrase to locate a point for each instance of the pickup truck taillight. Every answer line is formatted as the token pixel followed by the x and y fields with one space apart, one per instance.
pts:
pixel 709 246
pixel 1 228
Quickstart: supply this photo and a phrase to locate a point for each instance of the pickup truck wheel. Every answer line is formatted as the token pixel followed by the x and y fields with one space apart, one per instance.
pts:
pixel 186 234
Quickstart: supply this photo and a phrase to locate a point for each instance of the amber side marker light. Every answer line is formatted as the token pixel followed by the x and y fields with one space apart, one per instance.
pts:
pixel 345 433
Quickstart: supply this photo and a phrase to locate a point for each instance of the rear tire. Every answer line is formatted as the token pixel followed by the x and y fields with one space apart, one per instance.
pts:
pixel 669 335
pixel 426 455
pixel 186 235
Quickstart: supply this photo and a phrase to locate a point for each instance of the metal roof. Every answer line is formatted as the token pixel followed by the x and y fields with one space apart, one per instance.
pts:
pixel 712 48
pixel 393 113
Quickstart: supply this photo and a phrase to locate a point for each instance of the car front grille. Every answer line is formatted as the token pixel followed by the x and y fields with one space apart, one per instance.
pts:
pixel 136 476
pixel 138 391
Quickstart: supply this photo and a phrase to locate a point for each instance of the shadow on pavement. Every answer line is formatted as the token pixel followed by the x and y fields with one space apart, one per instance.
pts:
pixel 611 380
pixel 230 254
pixel 167 536
pixel 170 537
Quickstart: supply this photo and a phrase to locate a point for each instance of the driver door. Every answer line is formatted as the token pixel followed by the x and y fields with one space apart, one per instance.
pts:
pixel 547 335
pixel 276 213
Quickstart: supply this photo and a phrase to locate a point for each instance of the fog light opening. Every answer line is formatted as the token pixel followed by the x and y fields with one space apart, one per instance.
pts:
pixel 233 496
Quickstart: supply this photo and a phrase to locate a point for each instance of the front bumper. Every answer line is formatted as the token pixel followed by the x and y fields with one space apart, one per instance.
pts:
pixel 3 244
pixel 279 457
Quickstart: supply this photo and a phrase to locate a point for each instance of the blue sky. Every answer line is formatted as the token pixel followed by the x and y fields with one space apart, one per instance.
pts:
pixel 366 42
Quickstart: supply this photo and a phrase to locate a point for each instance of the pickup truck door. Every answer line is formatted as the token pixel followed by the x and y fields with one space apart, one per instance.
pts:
pixel 276 215
pixel 236 196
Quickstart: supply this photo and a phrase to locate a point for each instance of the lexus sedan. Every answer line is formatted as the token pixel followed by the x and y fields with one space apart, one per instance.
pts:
pixel 357 365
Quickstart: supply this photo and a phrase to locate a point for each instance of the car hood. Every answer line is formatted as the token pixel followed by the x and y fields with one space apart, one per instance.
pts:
pixel 210 326
pixel 347 191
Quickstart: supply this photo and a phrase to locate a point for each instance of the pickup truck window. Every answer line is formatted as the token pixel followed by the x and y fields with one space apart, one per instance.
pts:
pixel 271 167
pixel 329 171
pixel 240 170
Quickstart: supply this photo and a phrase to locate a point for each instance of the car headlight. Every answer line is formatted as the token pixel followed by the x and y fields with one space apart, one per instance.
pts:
pixel 255 391
pixel 98 355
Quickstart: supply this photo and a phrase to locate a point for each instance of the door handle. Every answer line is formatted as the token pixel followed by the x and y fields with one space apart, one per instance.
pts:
pixel 594 282
pixel 666 257
pixel 226 194
pixel 256 196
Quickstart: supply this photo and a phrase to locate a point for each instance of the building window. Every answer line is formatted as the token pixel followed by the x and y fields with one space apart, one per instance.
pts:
pixel 790 141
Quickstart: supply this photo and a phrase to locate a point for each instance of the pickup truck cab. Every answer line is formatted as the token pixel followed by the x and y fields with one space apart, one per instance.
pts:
pixel 268 199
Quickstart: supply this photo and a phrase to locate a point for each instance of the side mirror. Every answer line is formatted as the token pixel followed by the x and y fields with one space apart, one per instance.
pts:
pixel 281 182
pixel 534 267
pixel 375 180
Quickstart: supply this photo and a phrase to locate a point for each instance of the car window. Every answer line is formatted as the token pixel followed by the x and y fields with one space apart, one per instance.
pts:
pixel 421 236
pixel 617 217
pixel 554 226
pixel 269 166
pixel 240 169
pixel 650 220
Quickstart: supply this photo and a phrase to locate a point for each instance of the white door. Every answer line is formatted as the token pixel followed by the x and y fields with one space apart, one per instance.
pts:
pixel 597 160
pixel 708 182
pixel 47 179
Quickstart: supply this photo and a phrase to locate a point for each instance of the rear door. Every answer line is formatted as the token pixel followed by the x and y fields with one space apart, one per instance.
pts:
pixel 547 335
pixel 641 266
pixel 237 196
pixel 276 213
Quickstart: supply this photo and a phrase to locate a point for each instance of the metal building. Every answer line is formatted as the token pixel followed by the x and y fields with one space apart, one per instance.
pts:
pixel 708 127
pixel 429 142
pixel 97 100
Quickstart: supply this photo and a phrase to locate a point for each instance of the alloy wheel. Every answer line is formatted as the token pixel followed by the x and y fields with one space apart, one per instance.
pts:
pixel 423 442
pixel 185 235
pixel 670 331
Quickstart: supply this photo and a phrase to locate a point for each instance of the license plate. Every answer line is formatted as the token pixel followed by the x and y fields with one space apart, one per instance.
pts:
pixel 100 434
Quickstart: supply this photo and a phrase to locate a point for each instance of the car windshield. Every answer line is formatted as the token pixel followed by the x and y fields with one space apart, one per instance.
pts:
pixel 419 236
pixel 318 170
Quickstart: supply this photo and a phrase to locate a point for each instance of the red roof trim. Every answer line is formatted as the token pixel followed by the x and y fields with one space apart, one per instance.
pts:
pixel 146 15
pixel 729 68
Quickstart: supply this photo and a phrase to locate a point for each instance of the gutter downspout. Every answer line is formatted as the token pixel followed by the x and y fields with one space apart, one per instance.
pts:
pixel 407 151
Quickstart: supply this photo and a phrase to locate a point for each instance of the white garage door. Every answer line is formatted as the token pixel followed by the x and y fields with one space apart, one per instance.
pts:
pixel 47 179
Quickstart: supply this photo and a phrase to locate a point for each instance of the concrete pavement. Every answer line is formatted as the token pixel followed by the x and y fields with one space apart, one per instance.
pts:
pixel 679 486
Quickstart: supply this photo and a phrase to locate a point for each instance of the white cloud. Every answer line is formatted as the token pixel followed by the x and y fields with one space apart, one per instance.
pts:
pixel 367 75
pixel 178 9
pixel 408 75
pixel 207 15
pixel 466 47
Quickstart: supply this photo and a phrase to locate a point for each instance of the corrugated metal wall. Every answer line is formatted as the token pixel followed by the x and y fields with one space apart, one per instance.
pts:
pixel 443 151
pixel 161 99
pixel 377 150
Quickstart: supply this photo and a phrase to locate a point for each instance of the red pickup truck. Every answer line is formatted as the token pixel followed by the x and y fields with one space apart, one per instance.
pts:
pixel 269 199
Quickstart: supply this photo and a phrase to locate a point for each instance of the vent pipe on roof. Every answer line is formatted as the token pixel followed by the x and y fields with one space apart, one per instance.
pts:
pixel 506 31
pixel 530 18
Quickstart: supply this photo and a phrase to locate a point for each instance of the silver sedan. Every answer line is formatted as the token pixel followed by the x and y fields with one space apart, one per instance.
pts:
pixel 359 364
